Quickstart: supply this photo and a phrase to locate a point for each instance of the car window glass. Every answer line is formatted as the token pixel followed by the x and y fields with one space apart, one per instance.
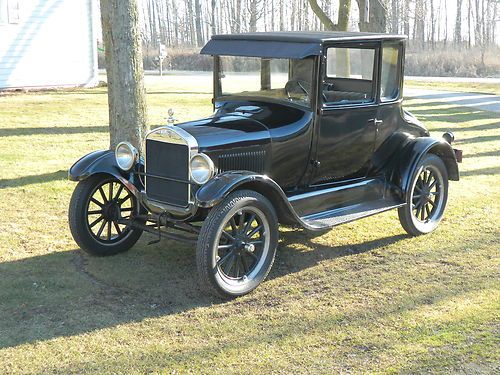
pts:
pixel 389 83
pixel 349 75
pixel 277 79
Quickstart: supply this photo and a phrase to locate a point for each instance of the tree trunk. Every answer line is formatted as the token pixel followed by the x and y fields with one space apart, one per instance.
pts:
pixel 197 20
pixel 344 11
pixel 458 23
pixel 126 93
pixel 252 8
pixel 377 20
pixel 213 26
pixel 325 20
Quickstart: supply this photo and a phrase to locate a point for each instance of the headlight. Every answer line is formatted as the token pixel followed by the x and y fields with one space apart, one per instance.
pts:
pixel 202 168
pixel 126 155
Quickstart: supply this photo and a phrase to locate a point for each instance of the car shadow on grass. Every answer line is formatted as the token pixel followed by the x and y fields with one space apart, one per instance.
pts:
pixel 69 293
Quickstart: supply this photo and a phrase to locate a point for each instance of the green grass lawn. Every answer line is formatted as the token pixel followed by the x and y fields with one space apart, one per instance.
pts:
pixel 482 88
pixel 362 298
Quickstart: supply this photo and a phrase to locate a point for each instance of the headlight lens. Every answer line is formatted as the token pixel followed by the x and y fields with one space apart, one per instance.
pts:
pixel 126 156
pixel 202 168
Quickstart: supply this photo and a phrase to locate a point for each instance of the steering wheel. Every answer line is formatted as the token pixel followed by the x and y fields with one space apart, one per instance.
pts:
pixel 296 85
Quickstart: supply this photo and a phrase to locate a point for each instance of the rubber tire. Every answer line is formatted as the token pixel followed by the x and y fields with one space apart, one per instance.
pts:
pixel 208 234
pixel 405 212
pixel 78 221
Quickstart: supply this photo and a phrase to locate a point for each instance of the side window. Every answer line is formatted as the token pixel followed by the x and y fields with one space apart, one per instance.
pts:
pixel 389 80
pixel 3 12
pixel 349 75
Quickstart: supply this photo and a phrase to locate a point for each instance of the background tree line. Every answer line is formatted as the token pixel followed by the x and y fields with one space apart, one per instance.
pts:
pixel 438 30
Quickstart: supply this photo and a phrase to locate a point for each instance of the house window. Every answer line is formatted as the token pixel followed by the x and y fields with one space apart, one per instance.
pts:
pixel 9 11
pixel 3 12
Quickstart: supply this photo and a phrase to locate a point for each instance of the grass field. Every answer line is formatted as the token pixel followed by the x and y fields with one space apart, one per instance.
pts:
pixel 482 88
pixel 362 298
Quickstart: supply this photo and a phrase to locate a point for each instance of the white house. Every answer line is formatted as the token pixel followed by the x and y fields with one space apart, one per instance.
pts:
pixel 48 43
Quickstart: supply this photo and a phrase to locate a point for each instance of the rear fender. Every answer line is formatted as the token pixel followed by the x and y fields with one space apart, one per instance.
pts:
pixel 413 153
pixel 104 162
pixel 219 187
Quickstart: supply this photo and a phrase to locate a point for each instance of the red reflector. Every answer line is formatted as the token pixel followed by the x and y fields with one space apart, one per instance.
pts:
pixel 458 155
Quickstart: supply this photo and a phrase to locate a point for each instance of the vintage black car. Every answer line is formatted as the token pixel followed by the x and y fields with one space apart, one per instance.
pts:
pixel 308 130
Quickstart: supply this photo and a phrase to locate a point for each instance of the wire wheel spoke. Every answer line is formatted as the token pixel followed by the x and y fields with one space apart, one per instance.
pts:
pixel 234 227
pixel 225 258
pixel 244 264
pixel 96 221
pixel 101 228
pixel 248 224
pixel 254 231
pixel 95 201
pixel 229 264
pixel 109 230
pixel 427 211
pixel 123 200
pixel 117 228
pixel 103 195
pixel 254 256
pixel 120 189
pixel 228 236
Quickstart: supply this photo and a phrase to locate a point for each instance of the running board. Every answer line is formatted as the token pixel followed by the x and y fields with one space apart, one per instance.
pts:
pixel 332 218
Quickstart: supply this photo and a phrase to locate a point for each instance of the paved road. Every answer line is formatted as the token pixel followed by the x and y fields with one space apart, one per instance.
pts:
pixel 485 102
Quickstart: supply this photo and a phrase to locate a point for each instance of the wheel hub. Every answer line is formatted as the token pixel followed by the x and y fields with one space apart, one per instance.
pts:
pixel 111 210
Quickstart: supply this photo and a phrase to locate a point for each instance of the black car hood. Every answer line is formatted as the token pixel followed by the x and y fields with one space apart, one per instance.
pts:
pixel 227 131
pixel 248 123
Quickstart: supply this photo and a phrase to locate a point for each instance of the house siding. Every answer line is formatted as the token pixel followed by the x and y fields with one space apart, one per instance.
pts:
pixel 53 44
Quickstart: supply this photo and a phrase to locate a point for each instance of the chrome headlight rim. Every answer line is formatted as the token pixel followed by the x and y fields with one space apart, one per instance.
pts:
pixel 131 157
pixel 210 169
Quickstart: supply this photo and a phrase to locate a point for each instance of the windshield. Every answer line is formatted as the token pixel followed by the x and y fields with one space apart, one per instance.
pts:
pixel 288 80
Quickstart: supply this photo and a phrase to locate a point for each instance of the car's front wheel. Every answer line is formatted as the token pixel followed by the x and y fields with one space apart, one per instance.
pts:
pixel 426 199
pixel 237 244
pixel 97 207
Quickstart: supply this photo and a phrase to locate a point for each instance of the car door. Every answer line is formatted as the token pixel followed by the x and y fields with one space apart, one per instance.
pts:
pixel 346 124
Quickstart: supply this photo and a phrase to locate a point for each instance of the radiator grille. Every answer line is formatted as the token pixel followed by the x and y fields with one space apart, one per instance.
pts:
pixel 249 161
pixel 167 172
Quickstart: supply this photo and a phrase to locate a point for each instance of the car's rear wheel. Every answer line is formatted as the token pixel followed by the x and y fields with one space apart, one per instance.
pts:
pixel 426 198
pixel 237 244
pixel 97 206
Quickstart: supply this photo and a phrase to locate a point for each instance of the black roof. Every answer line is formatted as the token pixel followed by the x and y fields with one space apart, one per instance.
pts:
pixel 284 44
pixel 309 36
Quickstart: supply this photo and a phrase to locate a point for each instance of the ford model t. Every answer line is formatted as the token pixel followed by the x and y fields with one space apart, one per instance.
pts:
pixel 308 130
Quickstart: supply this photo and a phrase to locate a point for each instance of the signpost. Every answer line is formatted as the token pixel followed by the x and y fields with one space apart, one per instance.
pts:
pixel 162 54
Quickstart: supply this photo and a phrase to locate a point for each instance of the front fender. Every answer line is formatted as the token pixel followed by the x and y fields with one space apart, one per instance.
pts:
pixel 104 162
pixel 416 150
pixel 219 187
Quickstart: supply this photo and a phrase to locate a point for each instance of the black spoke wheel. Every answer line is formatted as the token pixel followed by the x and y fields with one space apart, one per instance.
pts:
pixel 97 208
pixel 237 244
pixel 426 198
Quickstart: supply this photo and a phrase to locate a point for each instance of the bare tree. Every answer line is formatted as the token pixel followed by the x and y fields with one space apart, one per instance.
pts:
pixel 377 16
pixel 126 94
pixel 458 24
pixel 343 20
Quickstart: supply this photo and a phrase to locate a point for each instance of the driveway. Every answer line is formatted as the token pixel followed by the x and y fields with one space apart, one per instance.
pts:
pixel 485 102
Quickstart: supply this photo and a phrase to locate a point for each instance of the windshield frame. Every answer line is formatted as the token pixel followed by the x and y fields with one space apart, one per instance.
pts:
pixel 218 96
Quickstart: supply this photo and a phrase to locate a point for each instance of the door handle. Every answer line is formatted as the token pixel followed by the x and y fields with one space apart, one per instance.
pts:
pixel 377 122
